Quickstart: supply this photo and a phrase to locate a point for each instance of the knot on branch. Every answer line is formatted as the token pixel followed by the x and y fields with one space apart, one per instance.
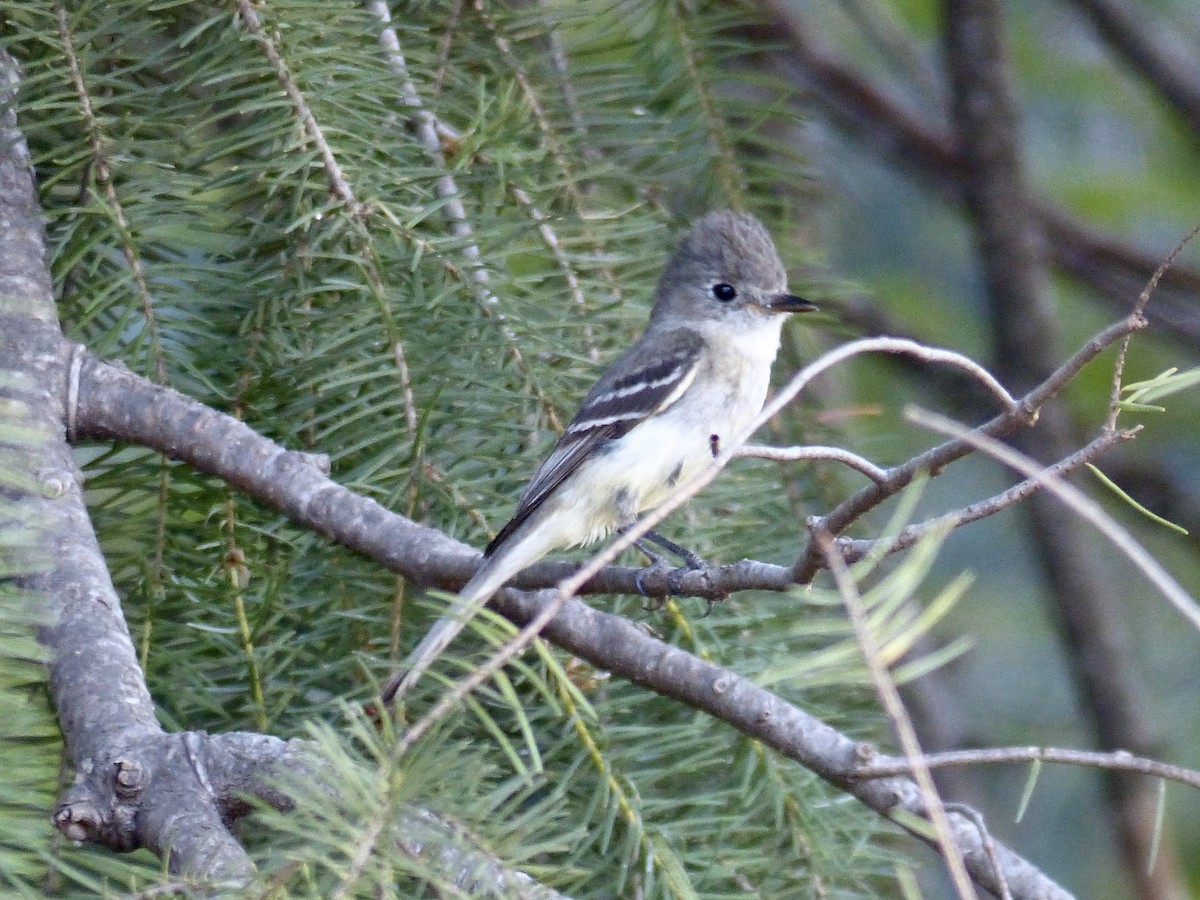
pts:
pixel 78 821
pixel 130 779
pixel 92 810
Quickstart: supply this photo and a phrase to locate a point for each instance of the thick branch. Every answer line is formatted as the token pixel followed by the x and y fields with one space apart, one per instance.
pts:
pixel 121 756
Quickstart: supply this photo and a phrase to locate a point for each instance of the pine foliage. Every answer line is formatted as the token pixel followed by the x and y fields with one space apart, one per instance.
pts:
pixel 240 206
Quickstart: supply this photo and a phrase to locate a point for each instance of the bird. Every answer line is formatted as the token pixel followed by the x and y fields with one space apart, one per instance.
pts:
pixel 655 417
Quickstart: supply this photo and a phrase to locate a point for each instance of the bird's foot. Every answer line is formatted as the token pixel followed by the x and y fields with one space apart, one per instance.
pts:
pixel 690 559
pixel 655 567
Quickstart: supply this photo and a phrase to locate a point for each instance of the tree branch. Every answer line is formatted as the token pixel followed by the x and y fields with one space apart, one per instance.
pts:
pixel 854 550
pixel 1024 413
pixel 132 789
pixel 812 452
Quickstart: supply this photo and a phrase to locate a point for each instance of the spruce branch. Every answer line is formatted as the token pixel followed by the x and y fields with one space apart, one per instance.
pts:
pixel 430 131
pixel 626 650
pixel 424 123
pixel 715 126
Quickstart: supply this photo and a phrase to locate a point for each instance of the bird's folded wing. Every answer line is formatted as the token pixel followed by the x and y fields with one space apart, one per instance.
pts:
pixel 611 410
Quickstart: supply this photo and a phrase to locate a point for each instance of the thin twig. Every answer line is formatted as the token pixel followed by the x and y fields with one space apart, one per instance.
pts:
pixel 1077 500
pixel 1116 761
pixel 1139 309
pixel 854 550
pixel 893 706
pixel 883 345
pixel 810 452
pixel 936 458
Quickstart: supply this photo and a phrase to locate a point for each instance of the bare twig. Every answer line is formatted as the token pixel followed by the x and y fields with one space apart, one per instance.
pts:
pixel 812 452
pixel 853 550
pixel 902 725
pixel 1139 309
pixel 936 458
pixel 882 345
pixel 1116 761
pixel 1079 502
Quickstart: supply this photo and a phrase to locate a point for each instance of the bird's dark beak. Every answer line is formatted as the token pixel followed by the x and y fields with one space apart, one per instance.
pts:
pixel 789 303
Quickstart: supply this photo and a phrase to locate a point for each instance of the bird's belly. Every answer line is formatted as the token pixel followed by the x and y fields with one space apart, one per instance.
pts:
pixel 639 470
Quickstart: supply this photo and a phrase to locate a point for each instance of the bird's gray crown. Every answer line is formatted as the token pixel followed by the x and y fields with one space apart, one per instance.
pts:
pixel 723 247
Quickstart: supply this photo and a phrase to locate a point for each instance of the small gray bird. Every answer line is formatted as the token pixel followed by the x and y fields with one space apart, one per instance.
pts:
pixel 698 375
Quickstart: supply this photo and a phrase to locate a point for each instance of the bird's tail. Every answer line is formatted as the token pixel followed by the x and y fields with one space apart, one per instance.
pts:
pixel 498 568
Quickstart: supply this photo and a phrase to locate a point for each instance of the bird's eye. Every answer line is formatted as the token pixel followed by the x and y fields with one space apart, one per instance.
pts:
pixel 724 292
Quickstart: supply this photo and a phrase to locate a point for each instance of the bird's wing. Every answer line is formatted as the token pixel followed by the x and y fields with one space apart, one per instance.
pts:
pixel 620 400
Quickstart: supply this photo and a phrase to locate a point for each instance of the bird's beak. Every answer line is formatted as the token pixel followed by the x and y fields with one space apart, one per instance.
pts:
pixel 789 303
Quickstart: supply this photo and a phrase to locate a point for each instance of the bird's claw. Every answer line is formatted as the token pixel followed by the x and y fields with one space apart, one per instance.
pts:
pixel 656 566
